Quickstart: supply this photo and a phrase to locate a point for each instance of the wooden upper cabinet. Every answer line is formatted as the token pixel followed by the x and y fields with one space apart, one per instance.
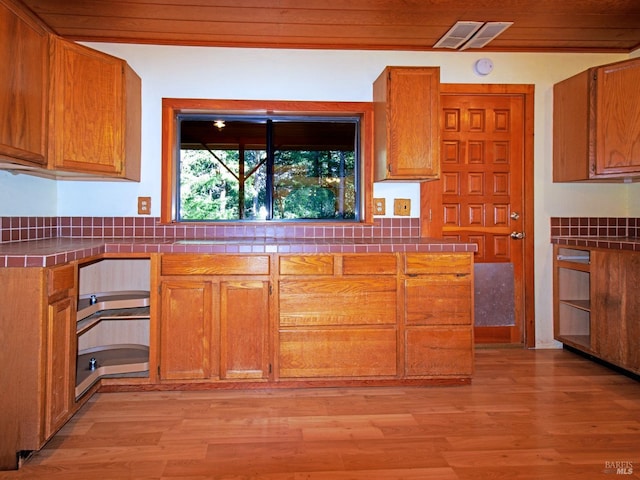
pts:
pixel 596 124
pixel 65 110
pixel 95 113
pixel 24 57
pixel 407 132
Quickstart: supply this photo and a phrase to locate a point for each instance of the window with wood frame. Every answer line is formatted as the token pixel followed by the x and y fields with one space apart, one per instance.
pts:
pixel 266 161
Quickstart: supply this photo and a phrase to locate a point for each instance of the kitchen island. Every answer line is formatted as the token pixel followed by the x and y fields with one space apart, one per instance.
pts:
pixel 230 313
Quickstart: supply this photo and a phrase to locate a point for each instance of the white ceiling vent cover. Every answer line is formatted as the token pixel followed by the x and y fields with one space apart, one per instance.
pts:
pixel 458 34
pixel 488 32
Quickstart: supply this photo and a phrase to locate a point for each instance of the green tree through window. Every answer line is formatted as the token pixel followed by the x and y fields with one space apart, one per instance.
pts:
pixel 268 168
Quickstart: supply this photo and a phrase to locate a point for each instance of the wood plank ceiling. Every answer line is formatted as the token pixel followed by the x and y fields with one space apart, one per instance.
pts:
pixel 538 25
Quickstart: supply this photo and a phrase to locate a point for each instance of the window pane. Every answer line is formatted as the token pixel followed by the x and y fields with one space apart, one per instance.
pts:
pixel 223 170
pixel 314 170
pixel 210 186
pixel 262 169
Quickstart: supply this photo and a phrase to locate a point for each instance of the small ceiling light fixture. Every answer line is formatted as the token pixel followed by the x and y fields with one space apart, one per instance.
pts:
pixel 466 34
pixel 483 67
pixel 219 123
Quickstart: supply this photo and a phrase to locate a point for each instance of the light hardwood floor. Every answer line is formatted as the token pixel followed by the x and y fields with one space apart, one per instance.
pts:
pixel 529 414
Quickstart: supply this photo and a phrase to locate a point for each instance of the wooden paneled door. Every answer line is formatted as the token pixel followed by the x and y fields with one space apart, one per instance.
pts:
pixel 486 189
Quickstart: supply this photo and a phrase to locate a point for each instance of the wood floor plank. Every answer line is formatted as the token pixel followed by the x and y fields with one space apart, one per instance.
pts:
pixel 528 415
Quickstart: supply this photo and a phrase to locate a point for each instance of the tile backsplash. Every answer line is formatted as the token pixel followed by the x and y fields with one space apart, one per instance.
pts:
pixel 595 227
pixel 16 229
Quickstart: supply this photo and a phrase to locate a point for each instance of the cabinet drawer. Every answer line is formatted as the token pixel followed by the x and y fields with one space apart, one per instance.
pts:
pixel 438 263
pixel 306 265
pixel 337 353
pixel 60 279
pixel 439 351
pixel 369 264
pixel 202 264
pixel 430 302
pixel 338 301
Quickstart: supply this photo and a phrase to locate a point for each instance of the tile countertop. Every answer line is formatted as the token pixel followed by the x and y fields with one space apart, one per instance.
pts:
pixel 613 243
pixel 55 251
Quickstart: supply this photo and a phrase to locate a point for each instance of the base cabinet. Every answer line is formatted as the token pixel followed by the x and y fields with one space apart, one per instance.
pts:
pixel 321 318
pixel 61 365
pixel 596 309
pixel 214 317
pixel 331 353
pixel 439 351
pixel 242 320
pixel 44 319
pixel 244 338
pixel 438 316
pixel 185 335
pixel 616 308
pixel 337 316
pixel 38 362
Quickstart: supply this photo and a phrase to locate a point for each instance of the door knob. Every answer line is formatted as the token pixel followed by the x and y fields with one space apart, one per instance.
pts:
pixel 515 215
pixel 517 235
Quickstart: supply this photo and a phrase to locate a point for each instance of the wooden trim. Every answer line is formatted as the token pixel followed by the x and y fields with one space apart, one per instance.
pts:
pixel 167 212
pixel 493 335
pixel 529 251
pixel 171 107
pixel 107 386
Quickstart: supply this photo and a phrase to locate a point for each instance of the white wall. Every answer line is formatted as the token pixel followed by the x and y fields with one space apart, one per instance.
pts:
pixel 25 195
pixel 263 74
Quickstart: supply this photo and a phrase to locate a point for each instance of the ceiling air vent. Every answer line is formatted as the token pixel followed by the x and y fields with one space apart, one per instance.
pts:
pixel 488 32
pixel 458 34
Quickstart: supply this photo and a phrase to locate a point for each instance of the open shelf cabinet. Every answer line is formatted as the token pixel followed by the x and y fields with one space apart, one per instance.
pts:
pixel 112 326
pixel 572 297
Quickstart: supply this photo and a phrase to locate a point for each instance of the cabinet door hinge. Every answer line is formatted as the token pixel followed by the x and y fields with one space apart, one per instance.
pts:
pixel 158 370
pixel 270 289
pixel 269 369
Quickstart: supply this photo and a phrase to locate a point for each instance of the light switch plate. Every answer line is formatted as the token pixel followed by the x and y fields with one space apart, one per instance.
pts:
pixel 402 207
